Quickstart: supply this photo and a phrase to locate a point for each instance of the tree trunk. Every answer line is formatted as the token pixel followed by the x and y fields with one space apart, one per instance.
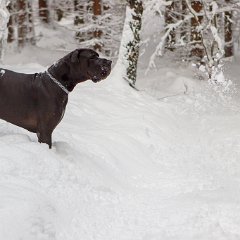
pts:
pixel 169 19
pixel 97 7
pixel 25 23
pixel 30 26
pixel 133 45
pixel 228 34
pixel 4 18
pixel 43 11
pixel 214 22
pixel 79 11
pixel 11 7
pixel 97 11
pixel 59 13
pixel 197 51
pixel 22 22
pixel 184 32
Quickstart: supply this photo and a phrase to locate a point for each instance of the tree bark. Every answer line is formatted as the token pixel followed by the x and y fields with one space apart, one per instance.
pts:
pixel 43 10
pixel 184 32
pixel 133 45
pixel 197 50
pixel 4 18
pixel 169 19
pixel 97 11
pixel 30 26
pixel 79 13
pixel 11 7
pixel 22 22
pixel 228 33
pixel 25 23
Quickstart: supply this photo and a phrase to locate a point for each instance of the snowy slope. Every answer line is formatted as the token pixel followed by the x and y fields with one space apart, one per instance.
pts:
pixel 126 165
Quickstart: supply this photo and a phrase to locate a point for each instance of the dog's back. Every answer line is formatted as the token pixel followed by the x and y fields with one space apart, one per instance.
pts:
pixel 18 98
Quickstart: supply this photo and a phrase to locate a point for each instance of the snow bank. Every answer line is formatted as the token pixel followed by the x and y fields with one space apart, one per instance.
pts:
pixel 126 165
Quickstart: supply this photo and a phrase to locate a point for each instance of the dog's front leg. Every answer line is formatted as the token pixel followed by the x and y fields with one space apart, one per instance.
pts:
pixel 45 136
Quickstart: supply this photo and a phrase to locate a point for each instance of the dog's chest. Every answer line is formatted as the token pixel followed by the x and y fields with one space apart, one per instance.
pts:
pixel 62 110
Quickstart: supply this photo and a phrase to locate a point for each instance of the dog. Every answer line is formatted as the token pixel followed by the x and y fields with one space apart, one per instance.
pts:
pixel 37 102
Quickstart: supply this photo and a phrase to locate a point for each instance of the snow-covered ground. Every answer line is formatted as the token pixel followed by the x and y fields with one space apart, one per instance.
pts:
pixel 127 164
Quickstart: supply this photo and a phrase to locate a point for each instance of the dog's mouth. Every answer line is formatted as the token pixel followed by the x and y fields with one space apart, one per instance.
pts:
pixel 104 72
pixel 96 79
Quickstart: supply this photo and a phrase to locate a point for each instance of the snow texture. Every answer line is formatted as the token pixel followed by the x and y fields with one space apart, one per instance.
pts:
pixel 127 165
pixel 161 163
pixel 2 72
pixel 4 16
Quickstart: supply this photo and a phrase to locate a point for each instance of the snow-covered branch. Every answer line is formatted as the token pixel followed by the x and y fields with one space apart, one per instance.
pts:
pixel 200 22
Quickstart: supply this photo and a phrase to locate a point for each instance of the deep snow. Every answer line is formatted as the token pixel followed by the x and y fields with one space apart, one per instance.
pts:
pixel 127 164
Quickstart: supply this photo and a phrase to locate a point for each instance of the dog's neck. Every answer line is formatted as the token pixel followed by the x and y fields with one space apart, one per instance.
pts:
pixel 61 72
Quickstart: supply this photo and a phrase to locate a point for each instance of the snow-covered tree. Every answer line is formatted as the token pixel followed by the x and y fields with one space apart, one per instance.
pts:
pixel 228 32
pixel 201 29
pixel 25 33
pixel 78 12
pixel 21 23
pixel 134 18
pixel 170 16
pixel 11 6
pixel 59 9
pixel 4 17
pixel 43 11
pixel 99 24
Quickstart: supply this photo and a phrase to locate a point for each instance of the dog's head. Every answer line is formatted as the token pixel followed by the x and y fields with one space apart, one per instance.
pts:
pixel 88 63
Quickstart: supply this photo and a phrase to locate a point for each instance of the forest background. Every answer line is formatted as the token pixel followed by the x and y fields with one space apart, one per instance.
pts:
pixel 200 32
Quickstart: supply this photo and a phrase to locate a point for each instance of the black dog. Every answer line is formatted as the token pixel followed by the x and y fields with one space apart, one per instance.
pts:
pixel 37 101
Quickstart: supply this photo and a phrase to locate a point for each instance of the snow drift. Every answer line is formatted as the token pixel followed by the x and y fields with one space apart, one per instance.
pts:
pixel 126 165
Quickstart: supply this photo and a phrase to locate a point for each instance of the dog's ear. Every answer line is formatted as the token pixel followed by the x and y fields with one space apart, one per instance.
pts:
pixel 75 56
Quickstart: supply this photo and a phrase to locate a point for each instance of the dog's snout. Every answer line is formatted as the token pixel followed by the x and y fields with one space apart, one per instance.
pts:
pixel 107 63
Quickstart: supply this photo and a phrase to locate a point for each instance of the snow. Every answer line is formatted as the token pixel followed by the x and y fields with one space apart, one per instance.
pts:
pixel 159 163
pixel 4 16
pixel 127 165
pixel 2 72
